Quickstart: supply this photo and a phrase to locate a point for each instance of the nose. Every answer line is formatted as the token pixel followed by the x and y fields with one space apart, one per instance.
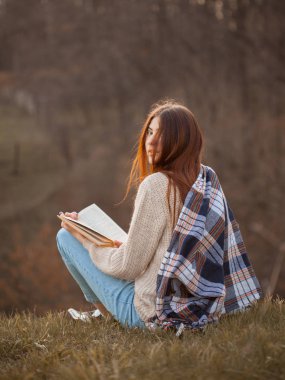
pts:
pixel 152 140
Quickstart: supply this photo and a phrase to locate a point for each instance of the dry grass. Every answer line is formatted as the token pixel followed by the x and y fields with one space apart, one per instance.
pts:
pixel 249 345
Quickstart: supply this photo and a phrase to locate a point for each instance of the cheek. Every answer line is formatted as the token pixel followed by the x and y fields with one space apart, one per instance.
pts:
pixel 159 145
pixel 147 141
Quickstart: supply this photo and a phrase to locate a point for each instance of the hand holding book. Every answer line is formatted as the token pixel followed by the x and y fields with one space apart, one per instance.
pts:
pixel 93 224
pixel 78 235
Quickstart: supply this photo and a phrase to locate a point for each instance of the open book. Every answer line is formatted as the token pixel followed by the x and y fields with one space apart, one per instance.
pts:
pixel 96 226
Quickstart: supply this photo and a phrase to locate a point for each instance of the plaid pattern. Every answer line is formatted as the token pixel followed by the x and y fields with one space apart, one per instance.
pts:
pixel 205 271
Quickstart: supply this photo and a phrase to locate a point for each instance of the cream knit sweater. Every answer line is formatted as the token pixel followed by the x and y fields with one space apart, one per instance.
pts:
pixel 150 232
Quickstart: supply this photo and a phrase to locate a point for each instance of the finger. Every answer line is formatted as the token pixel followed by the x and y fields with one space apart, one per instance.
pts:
pixel 117 243
pixel 74 215
pixel 65 226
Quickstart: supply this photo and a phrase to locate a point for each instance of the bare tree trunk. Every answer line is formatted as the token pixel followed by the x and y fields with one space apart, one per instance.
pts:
pixel 16 158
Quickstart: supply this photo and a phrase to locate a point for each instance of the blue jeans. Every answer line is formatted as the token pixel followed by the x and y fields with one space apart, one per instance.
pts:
pixel 116 295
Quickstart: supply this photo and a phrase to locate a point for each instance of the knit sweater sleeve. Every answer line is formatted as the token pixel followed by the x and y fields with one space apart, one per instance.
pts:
pixel 146 228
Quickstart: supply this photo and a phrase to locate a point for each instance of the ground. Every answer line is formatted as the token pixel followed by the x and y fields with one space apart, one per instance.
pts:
pixel 243 346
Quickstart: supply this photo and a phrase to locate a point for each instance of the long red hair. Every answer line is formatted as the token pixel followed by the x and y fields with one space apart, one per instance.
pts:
pixel 180 156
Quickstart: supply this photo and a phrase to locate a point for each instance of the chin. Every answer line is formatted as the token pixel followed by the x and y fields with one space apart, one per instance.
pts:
pixel 151 161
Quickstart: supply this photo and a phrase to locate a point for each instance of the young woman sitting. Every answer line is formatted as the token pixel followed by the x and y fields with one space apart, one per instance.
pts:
pixel 184 259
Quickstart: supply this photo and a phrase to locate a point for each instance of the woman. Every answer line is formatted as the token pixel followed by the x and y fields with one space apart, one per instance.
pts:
pixel 122 281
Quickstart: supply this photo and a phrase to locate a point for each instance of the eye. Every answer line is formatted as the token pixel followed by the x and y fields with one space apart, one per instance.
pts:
pixel 149 131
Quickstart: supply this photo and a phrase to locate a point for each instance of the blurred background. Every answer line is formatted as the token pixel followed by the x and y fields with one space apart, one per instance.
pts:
pixel 77 78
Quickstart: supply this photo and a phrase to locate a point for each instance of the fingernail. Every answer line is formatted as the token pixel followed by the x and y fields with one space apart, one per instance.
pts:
pixel 60 212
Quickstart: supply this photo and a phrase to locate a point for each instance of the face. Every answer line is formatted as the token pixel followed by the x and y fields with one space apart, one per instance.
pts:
pixel 152 143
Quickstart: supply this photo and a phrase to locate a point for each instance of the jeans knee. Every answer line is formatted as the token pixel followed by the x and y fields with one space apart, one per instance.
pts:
pixel 62 237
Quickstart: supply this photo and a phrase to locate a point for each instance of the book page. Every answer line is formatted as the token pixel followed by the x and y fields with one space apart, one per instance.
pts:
pixel 95 218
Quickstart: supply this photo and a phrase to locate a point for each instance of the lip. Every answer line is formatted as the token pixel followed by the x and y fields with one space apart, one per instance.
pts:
pixel 151 152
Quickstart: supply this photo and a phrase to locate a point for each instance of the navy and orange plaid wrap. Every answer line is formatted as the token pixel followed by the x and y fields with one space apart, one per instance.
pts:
pixel 206 271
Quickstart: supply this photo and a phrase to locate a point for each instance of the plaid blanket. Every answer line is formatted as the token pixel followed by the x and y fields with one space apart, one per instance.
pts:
pixel 205 271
